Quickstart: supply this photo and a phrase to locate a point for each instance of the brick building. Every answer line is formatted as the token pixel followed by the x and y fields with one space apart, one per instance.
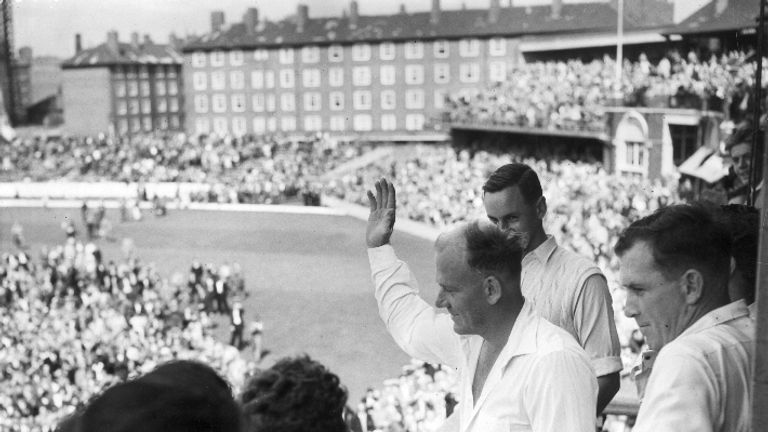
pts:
pixel 371 74
pixel 124 87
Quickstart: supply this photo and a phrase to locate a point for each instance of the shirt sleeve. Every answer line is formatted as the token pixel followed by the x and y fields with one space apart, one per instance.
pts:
pixel 595 326
pixel 415 326
pixel 679 397
pixel 561 394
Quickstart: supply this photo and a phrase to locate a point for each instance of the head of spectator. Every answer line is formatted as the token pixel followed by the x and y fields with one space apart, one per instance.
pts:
pixel 513 201
pixel 674 265
pixel 740 149
pixel 294 395
pixel 179 396
pixel 478 270
pixel 743 223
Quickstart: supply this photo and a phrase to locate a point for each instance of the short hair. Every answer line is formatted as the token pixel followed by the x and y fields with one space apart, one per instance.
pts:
pixel 744 133
pixel 162 403
pixel 490 249
pixel 683 236
pixel 743 223
pixel 515 174
pixel 295 395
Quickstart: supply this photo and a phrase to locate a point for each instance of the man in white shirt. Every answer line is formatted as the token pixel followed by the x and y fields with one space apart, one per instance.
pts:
pixel 675 267
pixel 518 371
pixel 567 289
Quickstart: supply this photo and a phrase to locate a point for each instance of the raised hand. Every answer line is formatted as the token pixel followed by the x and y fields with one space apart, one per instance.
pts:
pixel 381 220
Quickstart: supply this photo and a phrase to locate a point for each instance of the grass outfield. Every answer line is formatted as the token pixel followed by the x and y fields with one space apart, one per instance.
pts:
pixel 307 274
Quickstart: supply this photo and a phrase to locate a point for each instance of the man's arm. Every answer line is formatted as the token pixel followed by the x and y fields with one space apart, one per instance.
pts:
pixel 595 325
pixel 416 327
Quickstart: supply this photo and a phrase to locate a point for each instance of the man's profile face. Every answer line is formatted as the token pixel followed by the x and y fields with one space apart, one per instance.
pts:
pixel 741 157
pixel 461 291
pixel 509 211
pixel 654 300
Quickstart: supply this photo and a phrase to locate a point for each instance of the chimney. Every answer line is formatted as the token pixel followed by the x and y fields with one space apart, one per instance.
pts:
pixel 402 9
pixel 434 16
pixel 135 40
pixel 78 43
pixel 493 11
pixel 302 17
pixel 147 40
pixel 250 19
pixel 112 42
pixel 174 41
pixel 557 8
pixel 720 6
pixel 217 21
pixel 353 15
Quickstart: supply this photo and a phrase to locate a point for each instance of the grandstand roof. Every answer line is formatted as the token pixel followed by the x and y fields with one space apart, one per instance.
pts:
pixel 452 24
pixel 734 15
pixel 125 53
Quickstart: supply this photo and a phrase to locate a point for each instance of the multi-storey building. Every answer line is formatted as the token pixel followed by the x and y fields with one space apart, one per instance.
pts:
pixel 123 87
pixel 361 74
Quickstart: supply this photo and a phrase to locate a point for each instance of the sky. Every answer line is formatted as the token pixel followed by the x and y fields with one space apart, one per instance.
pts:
pixel 49 26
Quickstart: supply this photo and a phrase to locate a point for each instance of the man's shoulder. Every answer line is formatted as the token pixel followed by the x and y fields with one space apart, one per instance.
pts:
pixel 551 338
pixel 561 255
pixel 734 335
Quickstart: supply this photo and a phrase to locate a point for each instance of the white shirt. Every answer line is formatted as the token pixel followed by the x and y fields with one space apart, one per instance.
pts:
pixel 701 380
pixel 571 292
pixel 541 381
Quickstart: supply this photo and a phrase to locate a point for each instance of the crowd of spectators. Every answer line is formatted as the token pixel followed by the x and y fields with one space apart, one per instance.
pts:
pixel 73 323
pixel 570 95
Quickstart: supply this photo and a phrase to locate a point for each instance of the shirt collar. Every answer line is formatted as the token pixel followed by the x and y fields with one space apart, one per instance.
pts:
pixel 523 337
pixel 721 315
pixel 544 250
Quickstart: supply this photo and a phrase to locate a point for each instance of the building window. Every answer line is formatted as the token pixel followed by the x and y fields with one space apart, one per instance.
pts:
pixel 160 72
pixel 198 59
pixel 361 76
pixel 135 124
pixel 122 107
pixel 160 88
pixel 441 49
pixel 634 153
pixel 310 54
pixel 174 104
pixel 147 122
pixel 143 72
pixel 442 73
pixel 288 124
pixel 388 122
pixel 257 101
pixel 145 88
pixel 236 80
pixel 218 80
pixel 361 99
pixel 133 106
pixel 162 105
pixel 387 75
pixel 269 79
pixel 414 122
pixel 336 77
pixel 122 126
pixel 120 89
pixel 414 50
pixel 260 55
pixel 684 139
pixel 202 125
pixel 287 78
pixel 469 47
pixel 133 88
pixel 219 102
pixel 172 74
pixel 497 46
pixel 173 88
pixel 259 125
pixel 335 53
pixel 388 99
pixel 271 104
pixel 272 124
pixel 439 99
pixel 163 121
pixel 387 51
pixel 286 55
pixel 312 101
pixel 414 74
pixel 238 102
pixel 361 52
pixel 338 123
pixel 199 81
pixel 311 78
pixel 336 101
pixel 287 102
pixel 235 57
pixel 220 126
pixel 257 79
pixel 217 58
pixel 362 122
pixel 239 127
pixel 469 72
pixel 146 106
pixel 497 71
pixel 313 123
pixel 175 123
pixel 414 99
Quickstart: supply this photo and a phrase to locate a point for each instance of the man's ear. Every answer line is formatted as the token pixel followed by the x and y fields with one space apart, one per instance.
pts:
pixel 541 207
pixel 492 289
pixel 692 286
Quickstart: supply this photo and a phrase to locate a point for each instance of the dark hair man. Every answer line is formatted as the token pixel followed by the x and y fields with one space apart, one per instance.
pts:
pixel 675 267
pixel 295 395
pixel 739 146
pixel 518 371
pixel 567 289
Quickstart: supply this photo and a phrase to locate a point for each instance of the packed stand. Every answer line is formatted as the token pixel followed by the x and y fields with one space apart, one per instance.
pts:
pixel 74 323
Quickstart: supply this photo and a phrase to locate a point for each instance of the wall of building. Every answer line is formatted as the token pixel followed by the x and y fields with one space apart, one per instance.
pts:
pixel 86 100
